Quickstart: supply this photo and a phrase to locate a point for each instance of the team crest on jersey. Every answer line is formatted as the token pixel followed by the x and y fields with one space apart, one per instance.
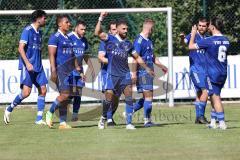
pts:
pixel 83 44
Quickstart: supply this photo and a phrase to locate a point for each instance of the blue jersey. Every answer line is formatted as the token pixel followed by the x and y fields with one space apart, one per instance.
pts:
pixel 216 48
pixel 64 55
pixel 80 45
pixel 144 47
pixel 197 57
pixel 102 49
pixel 33 40
pixel 117 51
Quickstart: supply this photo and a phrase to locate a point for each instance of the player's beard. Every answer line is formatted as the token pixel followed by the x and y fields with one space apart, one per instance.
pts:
pixel 123 35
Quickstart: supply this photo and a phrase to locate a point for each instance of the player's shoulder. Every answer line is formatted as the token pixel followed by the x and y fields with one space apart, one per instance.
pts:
pixel 70 34
pixel 56 34
pixel 28 27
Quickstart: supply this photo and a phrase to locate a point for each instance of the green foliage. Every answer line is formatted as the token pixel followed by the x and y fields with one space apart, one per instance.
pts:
pixel 185 13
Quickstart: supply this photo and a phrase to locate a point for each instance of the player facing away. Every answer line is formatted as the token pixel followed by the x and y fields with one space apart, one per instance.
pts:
pixel 61 56
pixel 118 74
pixel 143 46
pixel 198 73
pixel 80 47
pixel 216 48
pixel 112 29
pixel 30 64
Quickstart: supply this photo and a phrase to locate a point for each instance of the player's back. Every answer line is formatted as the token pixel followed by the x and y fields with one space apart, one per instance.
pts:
pixel 216 57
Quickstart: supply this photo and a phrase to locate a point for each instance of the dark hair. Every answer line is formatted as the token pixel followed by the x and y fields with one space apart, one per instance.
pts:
pixel 121 21
pixel 59 18
pixel 111 23
pixel 148 20
pixel 37 14
pixel 202 19
pixel 217 23
pixel 80 22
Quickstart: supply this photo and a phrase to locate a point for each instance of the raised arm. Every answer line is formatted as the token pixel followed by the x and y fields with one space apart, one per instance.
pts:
pixel 192 45
pixel 98 30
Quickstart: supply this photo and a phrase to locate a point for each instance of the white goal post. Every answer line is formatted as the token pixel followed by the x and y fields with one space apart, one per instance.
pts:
pixel 168 10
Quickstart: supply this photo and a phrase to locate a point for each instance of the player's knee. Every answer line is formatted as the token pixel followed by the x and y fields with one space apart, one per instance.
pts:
pixel 129 100
pixel 43 91
pixel 26 93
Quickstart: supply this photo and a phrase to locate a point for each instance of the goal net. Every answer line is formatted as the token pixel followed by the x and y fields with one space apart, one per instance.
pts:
pixel 13 21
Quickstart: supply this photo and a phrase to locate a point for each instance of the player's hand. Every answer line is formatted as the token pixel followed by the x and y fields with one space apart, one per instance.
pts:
pixel 194 29
pixel 29 67
pixel 182 35
pixel 164 69
pixel 103 14
pixel 53 77
pixel 78 68
pixel 84 77
pixel 151 72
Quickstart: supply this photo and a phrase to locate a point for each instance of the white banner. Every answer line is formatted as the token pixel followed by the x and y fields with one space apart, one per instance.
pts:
pixel 183 88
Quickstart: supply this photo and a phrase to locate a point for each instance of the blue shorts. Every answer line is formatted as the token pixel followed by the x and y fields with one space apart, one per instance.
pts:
pixel 144 82
pixel 214 88
pixel 65 81
pixel 77 80
pixel 103 79
pixel 29 78
pixel 199 80
pixel 117 83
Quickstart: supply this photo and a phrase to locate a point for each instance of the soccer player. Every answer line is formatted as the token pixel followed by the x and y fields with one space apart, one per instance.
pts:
pixel 118 75
pixel 216 48
pixel 112 29
pixel 143 46
pixel 30 64
pixel 198 73
pixel 61 56
pixel 80 47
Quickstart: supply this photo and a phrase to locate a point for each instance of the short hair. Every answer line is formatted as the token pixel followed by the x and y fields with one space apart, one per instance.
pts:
pixel 217 23
pixel 38 14
pixel 202 19
pixel 148 20
pixel 111 23
pixel 121 21
pixel 80 22
pixel 60 17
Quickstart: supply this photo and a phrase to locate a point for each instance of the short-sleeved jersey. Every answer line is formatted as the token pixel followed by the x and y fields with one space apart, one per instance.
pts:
pixel 144 47
pixel 33 40
pixel 64 55
pixel 117 51
pixel 80 46
pixel 216 48
pixel 102 50
pixel 197 57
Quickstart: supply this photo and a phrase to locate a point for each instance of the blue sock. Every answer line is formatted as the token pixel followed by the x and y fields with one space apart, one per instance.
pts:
pixel 138 105
pixel 63 113
pixel 18 99
pixel 129 109
pixel 41 105
pixel 202 106
pixel 147 105
pixel 110 112
pixel 54 106
pixel 213 115
pixel 76 104
pixel 220 116
pixel 197 109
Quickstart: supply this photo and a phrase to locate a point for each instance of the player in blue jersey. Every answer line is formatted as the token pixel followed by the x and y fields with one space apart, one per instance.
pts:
pixel 216 48
pixel 62 63
pixel 30 64
pixel 143 46
pixel 118 48
pixel 80 49
pixel 112 29
pixel 198 71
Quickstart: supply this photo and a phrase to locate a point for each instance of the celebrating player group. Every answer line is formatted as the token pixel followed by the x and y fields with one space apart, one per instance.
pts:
pixel 67 50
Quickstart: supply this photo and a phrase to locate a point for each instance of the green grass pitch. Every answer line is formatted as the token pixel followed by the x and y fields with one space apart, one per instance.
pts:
pixel 176 138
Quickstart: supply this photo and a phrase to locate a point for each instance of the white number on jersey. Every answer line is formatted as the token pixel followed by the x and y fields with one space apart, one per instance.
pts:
pixel 222 53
